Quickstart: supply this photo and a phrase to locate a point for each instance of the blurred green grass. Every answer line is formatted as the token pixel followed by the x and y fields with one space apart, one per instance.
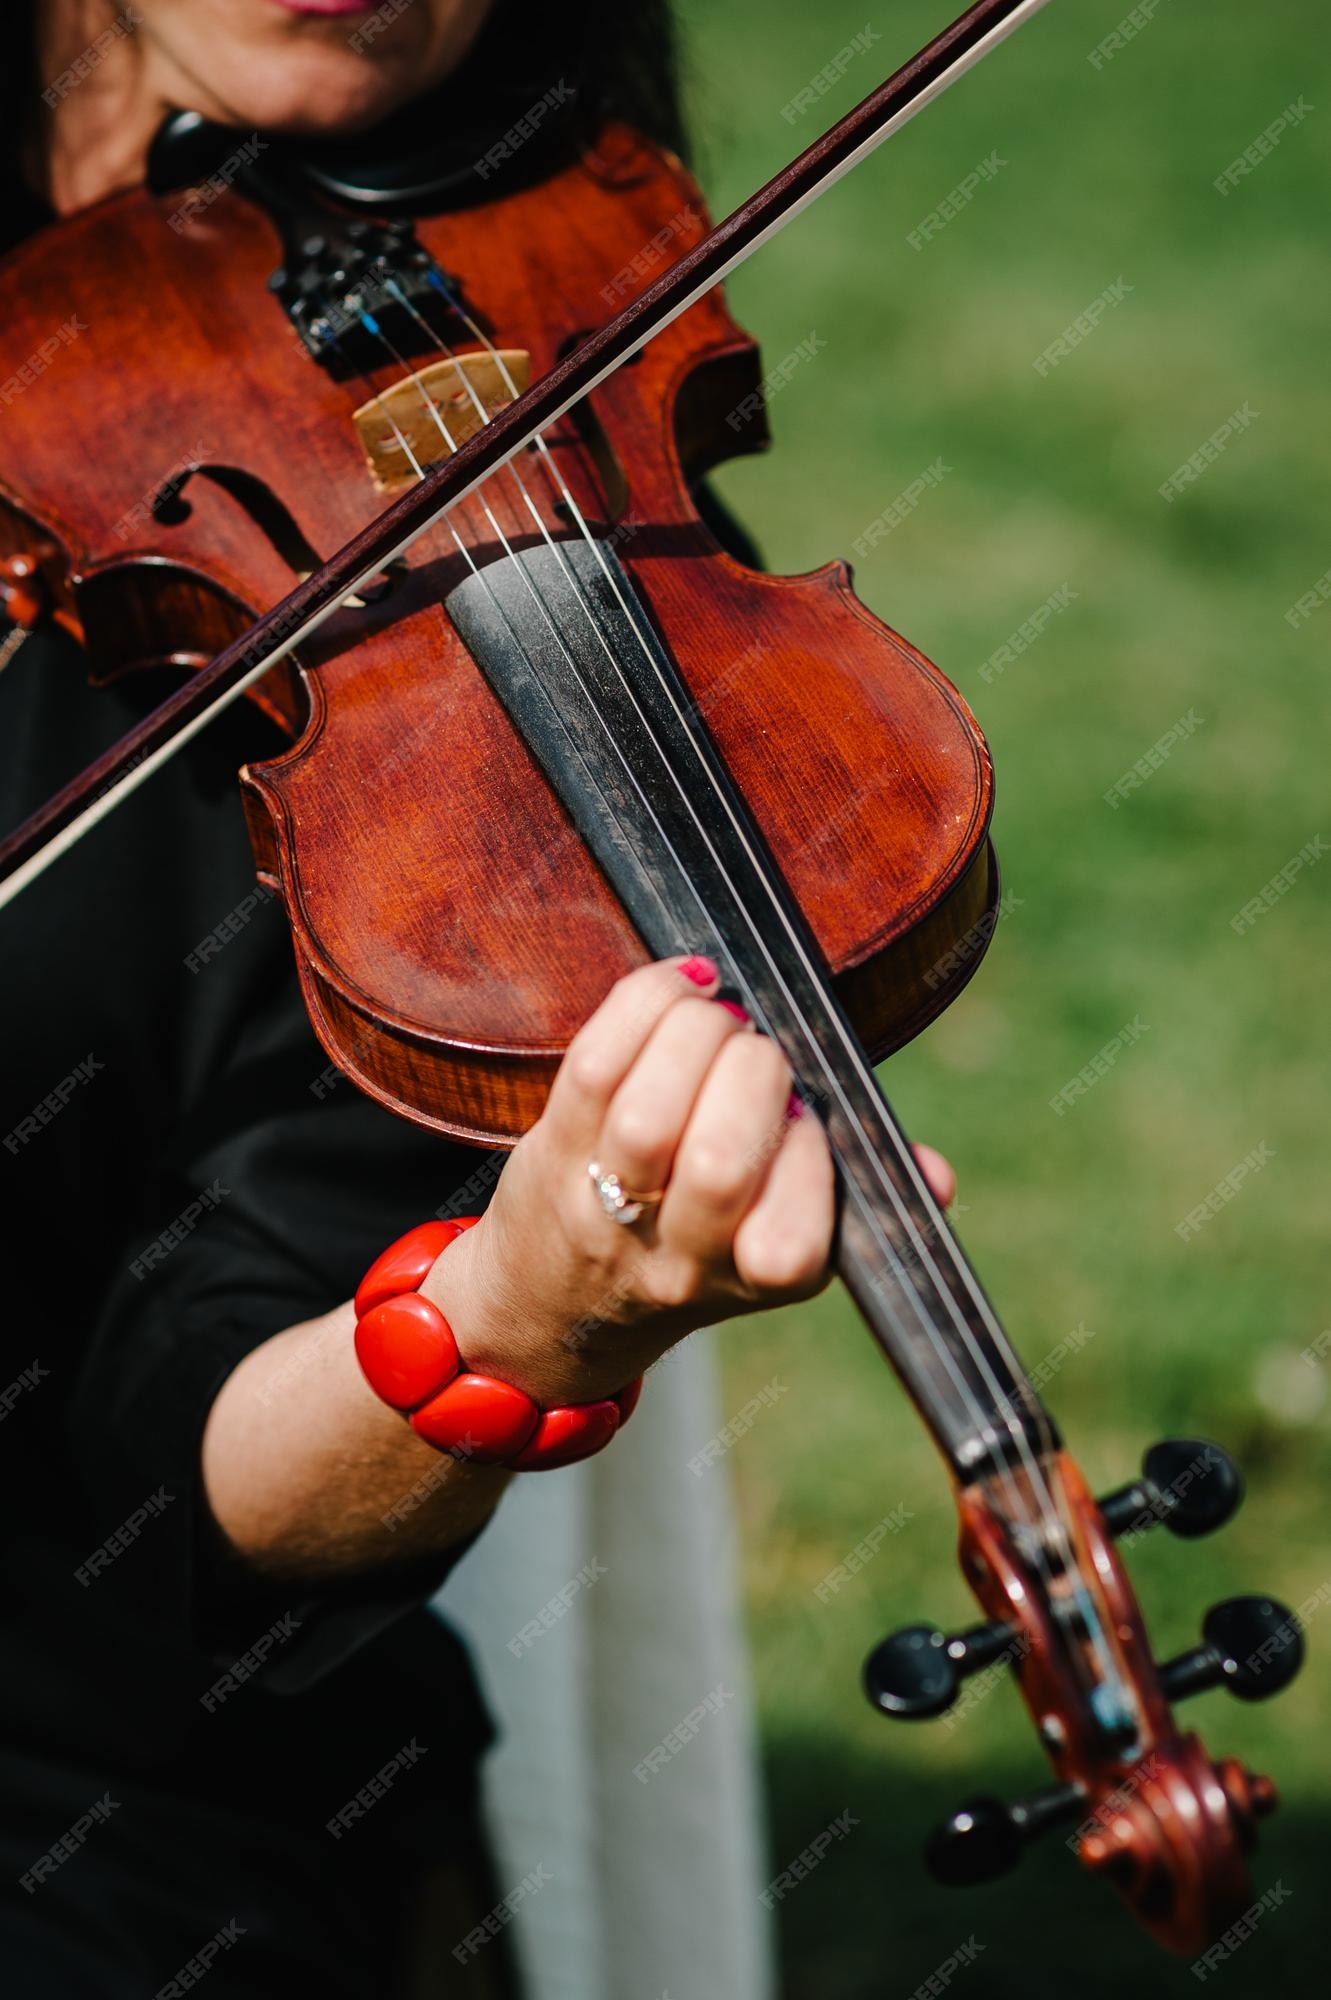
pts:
pixel 1107 173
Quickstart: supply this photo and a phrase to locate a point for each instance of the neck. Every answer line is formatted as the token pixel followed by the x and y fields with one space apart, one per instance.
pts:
pixel 103 99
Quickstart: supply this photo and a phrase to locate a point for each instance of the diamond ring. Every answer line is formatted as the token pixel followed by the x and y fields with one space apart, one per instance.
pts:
pixel 621 1204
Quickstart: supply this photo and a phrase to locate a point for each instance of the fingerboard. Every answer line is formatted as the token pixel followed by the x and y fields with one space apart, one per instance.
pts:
pixel 570 652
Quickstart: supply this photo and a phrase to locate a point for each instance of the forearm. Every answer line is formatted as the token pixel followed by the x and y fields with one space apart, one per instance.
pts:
pixel 311 1478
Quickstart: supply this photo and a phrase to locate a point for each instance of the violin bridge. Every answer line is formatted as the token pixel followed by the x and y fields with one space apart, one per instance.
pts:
pixel 433 410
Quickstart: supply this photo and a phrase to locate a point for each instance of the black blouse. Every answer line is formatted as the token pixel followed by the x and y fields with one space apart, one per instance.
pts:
pixel 180 1178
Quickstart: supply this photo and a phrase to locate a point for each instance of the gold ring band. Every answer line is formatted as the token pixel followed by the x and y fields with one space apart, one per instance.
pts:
pixel 621 1204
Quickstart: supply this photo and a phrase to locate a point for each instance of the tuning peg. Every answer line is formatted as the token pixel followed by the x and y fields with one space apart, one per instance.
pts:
pixel 984 1838
pixel 917 1672
pixel 1251 1645
pixel 1190 1485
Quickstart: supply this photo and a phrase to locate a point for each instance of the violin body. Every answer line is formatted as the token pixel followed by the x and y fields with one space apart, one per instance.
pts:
pixel 450 928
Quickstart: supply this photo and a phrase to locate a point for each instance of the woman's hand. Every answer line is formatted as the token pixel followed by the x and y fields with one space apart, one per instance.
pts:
pixel 667 1088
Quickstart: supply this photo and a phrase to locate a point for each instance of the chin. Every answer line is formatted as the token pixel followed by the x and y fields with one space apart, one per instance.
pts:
pixel 326 94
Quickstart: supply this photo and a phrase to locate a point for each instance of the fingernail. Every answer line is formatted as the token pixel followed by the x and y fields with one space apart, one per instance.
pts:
pixel 794 1107
pixel 700 971
pixel 733 1007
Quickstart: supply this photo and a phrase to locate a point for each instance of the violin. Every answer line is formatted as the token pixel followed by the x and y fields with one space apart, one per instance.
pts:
pixel 542 725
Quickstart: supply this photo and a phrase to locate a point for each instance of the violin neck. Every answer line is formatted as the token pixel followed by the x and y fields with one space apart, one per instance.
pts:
pixel 571 654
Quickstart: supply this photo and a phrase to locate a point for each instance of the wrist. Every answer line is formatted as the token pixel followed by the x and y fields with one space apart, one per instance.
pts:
pixel 504 1328
pixel 410 1356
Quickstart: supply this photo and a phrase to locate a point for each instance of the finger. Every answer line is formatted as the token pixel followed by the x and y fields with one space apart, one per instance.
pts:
pixel 727 1149
pixel 938 1173
pixel 784 1242
pixel 607 1045
pixel 647 1116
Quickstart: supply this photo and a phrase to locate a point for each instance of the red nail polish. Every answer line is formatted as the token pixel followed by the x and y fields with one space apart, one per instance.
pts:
pixel 700 970
pixel 733 1007
pixel 794 1107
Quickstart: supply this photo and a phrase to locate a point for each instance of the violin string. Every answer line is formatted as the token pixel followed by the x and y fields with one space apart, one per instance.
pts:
pixel 972 1413
pixel 556 548
pixel 462 375
pixel 568 499
pixel 994 1325
pixel 579 594
pixel 1020 1510
pixel 1051 1512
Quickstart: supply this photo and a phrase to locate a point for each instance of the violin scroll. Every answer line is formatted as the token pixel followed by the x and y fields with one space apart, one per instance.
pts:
pixel 1164 1824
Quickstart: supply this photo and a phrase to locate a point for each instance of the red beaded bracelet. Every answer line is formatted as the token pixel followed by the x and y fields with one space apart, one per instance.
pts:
pixel 410 1359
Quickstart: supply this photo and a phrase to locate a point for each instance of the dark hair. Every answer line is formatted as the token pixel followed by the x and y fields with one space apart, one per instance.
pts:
pixel 621 53
pixel 631 57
